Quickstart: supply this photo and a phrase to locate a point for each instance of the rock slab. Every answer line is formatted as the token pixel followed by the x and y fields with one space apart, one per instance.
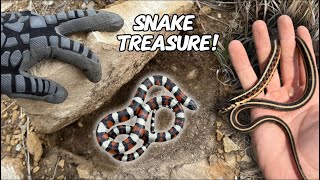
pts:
pixel 117 67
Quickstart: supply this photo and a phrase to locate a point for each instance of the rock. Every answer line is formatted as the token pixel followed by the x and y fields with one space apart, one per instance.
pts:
pixel 90 5
pixel 230 159
pixel 12 168
pixel 15 115
pixel 83 171
pixel 219 15
pixel 205 10
pixel 61 163
pixel 5 5
pixel 80 124
pixel 17 131
pixel 219 135
pixel 199 170
pixel 220 151
pixel 192 74
pixel 60 177
pixel 213 159
pixel 219 123
pixel 246 158
pixel 15 107
pixel 229 145
pixel 4 116
pixel 238 158
pixel 36 169
pixel 117 68
pixel 8 149
pixel 8 139
pixel 34 146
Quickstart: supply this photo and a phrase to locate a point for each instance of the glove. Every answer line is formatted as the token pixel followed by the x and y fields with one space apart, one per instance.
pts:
pixel 27 38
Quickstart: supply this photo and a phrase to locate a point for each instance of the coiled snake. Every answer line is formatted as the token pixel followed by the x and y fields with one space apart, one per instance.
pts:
pixel 106 133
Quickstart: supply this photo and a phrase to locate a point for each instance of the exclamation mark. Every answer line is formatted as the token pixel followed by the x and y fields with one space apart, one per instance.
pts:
pixel 215 42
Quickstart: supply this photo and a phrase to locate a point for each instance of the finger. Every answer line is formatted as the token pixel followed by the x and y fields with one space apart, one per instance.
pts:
pixel 29 87
pixel 263 49
pixel 288 62
pixel 90 20
pixel 304 34
pixel 76 54
pixel 241 64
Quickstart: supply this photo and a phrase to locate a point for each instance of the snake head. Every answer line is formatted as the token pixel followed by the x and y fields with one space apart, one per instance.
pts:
pixel 226 106
pixel 192 105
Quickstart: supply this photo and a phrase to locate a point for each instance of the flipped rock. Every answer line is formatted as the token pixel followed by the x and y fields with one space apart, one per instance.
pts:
pixel 229 145
pixel 117 68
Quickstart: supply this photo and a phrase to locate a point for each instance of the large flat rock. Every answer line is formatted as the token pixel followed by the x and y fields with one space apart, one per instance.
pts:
pixel 117 68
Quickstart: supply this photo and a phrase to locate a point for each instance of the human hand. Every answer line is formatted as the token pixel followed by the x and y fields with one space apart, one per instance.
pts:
pixel 270 143
pixel 28 38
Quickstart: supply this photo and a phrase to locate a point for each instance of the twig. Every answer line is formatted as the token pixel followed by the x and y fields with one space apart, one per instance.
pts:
pixel 22 127
pixel 55 168
pixel 7 107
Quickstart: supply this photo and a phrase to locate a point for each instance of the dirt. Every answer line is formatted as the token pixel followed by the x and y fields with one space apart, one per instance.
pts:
pixel 195 74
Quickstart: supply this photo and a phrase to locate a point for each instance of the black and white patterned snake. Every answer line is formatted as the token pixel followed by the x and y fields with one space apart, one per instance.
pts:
pixel 107 129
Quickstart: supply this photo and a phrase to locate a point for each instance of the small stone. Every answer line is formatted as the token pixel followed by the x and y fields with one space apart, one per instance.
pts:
pixel 237 172
pixel 5 116
pixel 20 156
pixel 219 135
pixel 80 124
pixel 61 163
pixel 12 168
pixel 8 149
pixel 18 147
pixel 12 142
pixel 230 159
pixel 238 158
pixel 219 123
pixel 90 5
pixel 15 107
pixel 17 131
pixel 8 138
pixel 205 10
pixel 60 177
pixel 192 74
pixel 36 169
pixel 15 115
pixel 229 145
pixel 83 6
pixel 174 68
pixel 83 171
pixel 213 159
pixel 246 158
pixel 219 15
pixel 220 151
pixel 34 146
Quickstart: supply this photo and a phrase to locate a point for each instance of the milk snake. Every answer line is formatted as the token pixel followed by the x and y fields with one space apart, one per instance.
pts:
pixel 106 133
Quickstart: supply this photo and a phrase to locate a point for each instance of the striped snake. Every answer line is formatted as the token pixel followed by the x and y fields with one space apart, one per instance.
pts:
pixel 107 129
pixel 246 101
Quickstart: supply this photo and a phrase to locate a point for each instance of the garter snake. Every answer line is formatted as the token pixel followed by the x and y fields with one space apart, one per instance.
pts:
pixel 247 101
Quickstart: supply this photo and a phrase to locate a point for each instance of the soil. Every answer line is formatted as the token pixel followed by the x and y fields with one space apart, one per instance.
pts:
pixel 195 74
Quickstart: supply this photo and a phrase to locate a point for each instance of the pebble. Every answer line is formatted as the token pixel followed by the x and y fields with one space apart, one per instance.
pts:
pixel 12 143
pixel 213 159
pixel 219 15
pixel 61 163
pixel 80 124
pixel 15 115
pixel 238 158
pixel 34 146
pixel 246 158
pixel 174 68
pixel 219 135
pixel 20 156
pixel 237 172
pixel 192 74
pixel 230 159
pixel 83 6
pixel 205 10
pixel 18 147
pixel 220 151
pixel 8 149
pixel 47 3
pixel 15 107
pixel 36 169
pixel 8 138
pixel 17 131
pixel 60 177
pixel 5 116
pixel 229 145
pixel 219 123
pixel 90 5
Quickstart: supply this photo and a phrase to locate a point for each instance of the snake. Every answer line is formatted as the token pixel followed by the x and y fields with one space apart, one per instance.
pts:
pixel 246 100
pixel 107 129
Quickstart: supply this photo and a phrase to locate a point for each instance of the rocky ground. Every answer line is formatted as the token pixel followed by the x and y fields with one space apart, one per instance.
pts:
pixel 208 148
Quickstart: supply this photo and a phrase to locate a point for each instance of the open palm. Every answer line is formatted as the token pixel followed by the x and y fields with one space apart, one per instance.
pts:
pixel 271 145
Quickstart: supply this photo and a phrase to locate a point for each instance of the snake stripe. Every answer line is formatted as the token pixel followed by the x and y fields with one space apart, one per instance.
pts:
pixel 246 101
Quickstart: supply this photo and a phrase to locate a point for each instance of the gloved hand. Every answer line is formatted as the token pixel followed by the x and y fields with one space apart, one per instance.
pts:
pixel 27 38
